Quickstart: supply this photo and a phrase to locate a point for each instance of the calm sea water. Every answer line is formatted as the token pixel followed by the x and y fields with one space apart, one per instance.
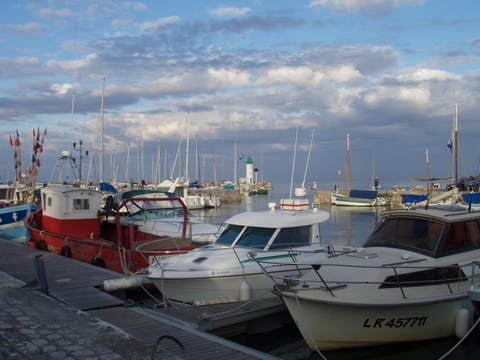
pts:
pixel 347 226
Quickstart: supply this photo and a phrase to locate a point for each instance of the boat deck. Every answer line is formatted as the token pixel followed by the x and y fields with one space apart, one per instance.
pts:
pixel 78 285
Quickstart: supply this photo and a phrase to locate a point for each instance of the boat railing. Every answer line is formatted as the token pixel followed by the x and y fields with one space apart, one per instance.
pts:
pixel 146 200
pixel 327 276
pixel 155 250
pixel 266 264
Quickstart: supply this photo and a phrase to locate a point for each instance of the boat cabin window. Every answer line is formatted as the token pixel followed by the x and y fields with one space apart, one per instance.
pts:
pixel 291 237
pixel 255 237
pixel 460 237
pixel 228 236
pixel 414 234
pixel 81 204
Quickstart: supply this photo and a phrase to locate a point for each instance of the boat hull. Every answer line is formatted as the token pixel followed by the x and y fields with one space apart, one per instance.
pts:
pixel 341 200
pixel 330 326
pixel 206 289
pixel 12 222
pixel 215 290
pixel 103 252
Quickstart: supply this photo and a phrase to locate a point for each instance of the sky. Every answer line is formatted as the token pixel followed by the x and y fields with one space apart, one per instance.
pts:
pixel 193 88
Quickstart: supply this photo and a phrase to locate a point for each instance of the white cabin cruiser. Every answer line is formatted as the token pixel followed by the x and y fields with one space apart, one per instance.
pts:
pixel 409 282
pixel 166 218
pixel 225 272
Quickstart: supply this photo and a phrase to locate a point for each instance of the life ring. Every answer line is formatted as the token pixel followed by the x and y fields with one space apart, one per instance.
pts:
pixel 98 261
pixel 66 251
pixel 41 245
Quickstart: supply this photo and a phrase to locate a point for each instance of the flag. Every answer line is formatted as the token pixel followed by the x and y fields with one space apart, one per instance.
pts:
pixel 450 143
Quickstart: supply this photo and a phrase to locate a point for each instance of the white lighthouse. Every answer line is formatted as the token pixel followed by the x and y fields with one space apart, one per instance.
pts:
pixel 249 170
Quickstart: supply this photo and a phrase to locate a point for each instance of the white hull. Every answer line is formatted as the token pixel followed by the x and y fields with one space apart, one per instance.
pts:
pixel 328 326
pixel 194 202
pixel 216 290
pixel 341 200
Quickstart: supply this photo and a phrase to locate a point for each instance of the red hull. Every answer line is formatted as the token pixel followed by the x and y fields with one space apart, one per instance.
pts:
pixel 103 251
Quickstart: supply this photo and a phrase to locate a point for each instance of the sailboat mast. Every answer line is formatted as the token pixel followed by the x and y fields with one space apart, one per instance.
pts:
pixel 102 110
pixel 427 171
pixel 308 159
pixel 348 181
pixel 455 145
pixel 235 163
pixel 293 164
pixel 187 152
pixel 127 165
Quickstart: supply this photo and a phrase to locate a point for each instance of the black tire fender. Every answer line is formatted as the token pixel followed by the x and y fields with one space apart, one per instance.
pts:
pixel 66 251
pixel 98 261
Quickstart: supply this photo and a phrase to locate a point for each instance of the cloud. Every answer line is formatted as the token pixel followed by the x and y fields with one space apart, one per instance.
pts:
pixel 70 65
pixel 230 11
pixel 362 5
pixel 427 75
pixel 54 13
pixel 20 67
pixel 137 6
pixel 30 29
pixel 149 26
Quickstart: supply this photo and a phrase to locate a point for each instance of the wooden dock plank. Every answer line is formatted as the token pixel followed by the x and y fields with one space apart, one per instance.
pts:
pixel 202 345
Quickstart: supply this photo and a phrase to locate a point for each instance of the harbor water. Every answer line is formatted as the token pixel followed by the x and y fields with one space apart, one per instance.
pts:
pixel 346 226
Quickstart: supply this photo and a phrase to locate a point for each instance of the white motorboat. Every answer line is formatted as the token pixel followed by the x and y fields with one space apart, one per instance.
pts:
pixel 225 272
pixel 167 218
pixel 408 282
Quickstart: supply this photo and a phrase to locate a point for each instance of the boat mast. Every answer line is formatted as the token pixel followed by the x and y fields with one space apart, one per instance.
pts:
pixel 348 181
pixel 187 146
pixel 427 172
pixel 293 164
pixel 127 165
pixel 455 145
pixel 235 164
pixel 308 159
pixel 102 110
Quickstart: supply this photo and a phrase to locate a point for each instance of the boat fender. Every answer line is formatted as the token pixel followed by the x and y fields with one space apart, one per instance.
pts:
pixel 98 261
pixel 125 282
pixel 66 251
pixel 41 245
pixel 462 322
pixel 32 244
pixel 244 291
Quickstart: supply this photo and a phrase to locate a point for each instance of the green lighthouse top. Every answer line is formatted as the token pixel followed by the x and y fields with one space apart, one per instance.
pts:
pixel 249 160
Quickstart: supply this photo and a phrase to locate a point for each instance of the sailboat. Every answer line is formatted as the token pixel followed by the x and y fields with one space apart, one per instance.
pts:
pixel 303 190
pixel 294 203
pixel 354 197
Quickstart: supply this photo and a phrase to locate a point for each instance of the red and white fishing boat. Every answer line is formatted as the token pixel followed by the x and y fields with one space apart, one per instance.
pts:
pixel 71 223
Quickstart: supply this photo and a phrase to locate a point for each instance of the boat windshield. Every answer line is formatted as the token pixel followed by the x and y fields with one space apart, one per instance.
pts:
pixel 228 236
pixel 292 237
pixel 427 236
pixel 255 237
pixel 250 236
pixel 420 235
